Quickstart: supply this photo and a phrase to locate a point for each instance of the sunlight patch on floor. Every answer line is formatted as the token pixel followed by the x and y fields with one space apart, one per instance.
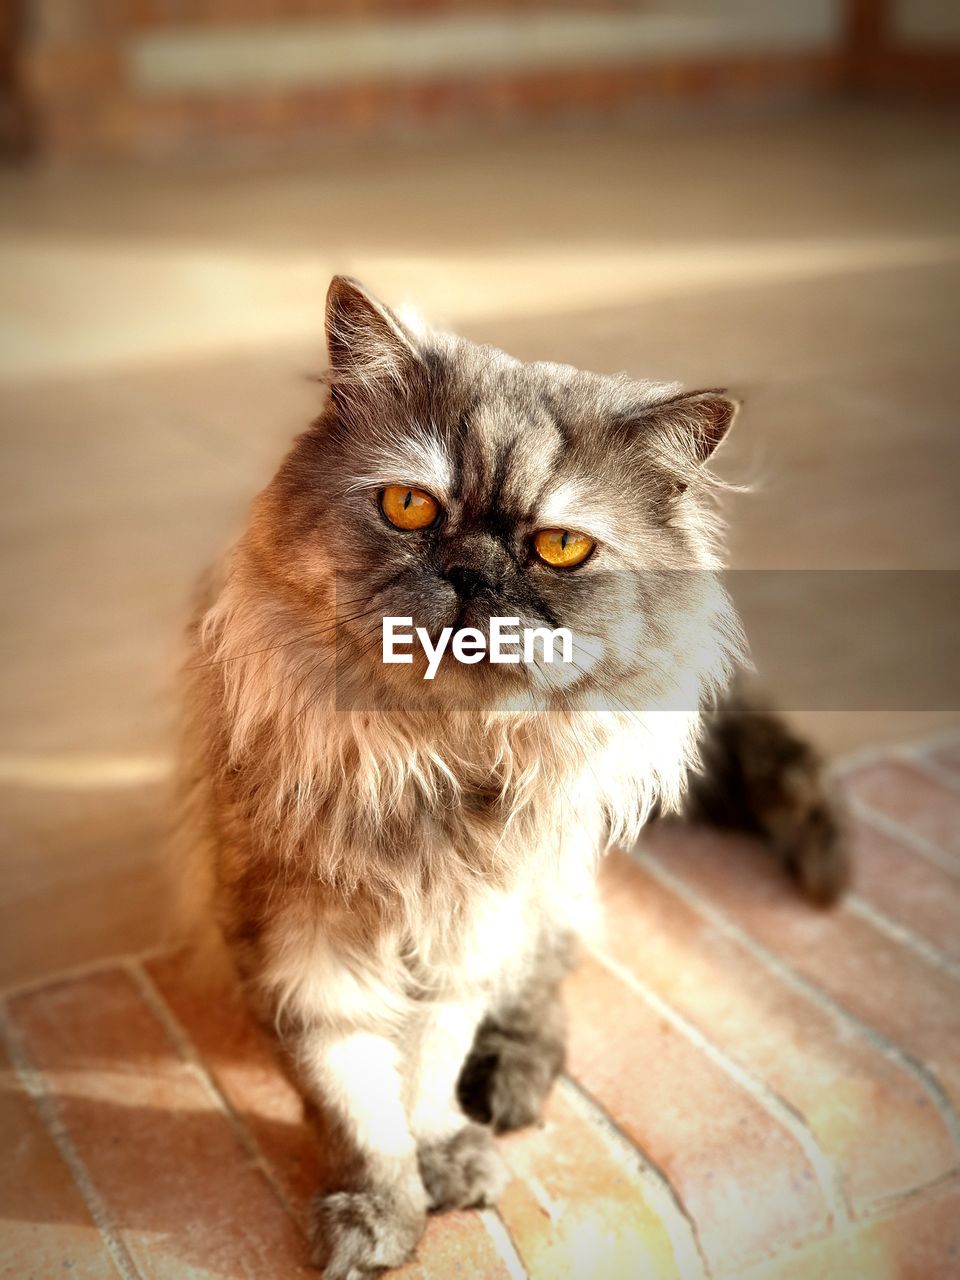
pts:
pixel 83 773
pixel 72 306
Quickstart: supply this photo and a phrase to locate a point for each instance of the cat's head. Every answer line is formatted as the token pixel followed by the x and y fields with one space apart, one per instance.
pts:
pixel 449 483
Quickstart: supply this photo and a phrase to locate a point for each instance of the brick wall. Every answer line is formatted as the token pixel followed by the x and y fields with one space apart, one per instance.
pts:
pixel 154 77
pixel 147 77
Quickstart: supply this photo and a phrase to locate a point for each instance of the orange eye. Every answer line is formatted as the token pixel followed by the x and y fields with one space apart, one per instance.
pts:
pixel 408 508
pixel 563 548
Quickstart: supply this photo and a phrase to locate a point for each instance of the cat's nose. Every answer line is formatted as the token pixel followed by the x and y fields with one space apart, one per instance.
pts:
pixel 466 581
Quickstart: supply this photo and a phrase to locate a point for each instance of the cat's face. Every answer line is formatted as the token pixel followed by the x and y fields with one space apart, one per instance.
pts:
pixel 449 483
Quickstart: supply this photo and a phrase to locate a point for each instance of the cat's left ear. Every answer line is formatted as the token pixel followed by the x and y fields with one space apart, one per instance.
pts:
pixel 693 424
pixel 365 340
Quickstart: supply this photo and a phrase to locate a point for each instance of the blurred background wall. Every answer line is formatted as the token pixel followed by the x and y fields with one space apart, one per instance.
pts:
pixel 158 77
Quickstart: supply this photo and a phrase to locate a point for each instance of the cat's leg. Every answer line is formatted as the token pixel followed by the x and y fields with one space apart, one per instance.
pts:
pixel 459 1163
pixel 520 1045
pixel 373 1212
pixel 760 776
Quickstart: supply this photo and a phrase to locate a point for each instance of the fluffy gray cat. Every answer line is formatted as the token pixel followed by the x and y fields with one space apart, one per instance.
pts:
pixel 398 866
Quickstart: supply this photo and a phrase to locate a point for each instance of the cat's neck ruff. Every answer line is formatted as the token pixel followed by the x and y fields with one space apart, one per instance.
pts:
pixel 485 790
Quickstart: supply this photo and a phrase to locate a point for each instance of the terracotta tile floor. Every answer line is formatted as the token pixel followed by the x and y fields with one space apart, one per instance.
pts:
pixel 755 1089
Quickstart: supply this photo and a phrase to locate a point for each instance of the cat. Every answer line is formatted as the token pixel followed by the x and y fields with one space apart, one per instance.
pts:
pixel 400 868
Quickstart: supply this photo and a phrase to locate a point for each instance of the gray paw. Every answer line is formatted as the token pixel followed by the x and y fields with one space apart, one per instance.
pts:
pixel 465 1169
pixel 355 1234
pixel 505 1081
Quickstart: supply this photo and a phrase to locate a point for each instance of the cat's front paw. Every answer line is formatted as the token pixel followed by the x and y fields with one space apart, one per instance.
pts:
pixel 506 1078
pixel 462 1170
pixel 355 1234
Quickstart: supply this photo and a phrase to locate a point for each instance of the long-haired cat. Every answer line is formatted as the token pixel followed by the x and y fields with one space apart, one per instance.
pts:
pixel 399 866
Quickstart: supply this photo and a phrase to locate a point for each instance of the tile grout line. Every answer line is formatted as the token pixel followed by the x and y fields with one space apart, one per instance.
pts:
pixel 931 769
pixel 191 1058
pixel 888 1206
pixel 885 1210
pixel 916 755
pixel 34 1084
pixel 782 969
pixel 933 742
pixel 502 1240
pixel 665 1201
pixel 865 757
pixel 903 835
pixel 827 1175
pixel 840 769
pixel 88 969
pixel 897 932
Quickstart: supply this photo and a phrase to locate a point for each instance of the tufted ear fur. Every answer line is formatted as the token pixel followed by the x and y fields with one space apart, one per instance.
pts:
pixel 691 425
pixel 366 342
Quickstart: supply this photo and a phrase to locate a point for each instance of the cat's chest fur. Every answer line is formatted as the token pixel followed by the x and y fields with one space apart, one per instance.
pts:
pixel 457 866
pixel 459 935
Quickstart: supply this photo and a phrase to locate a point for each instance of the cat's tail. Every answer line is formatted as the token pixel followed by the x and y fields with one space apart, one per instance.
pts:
pixel 759 776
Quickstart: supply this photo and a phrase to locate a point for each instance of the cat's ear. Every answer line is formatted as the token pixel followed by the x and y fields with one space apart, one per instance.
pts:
pixel 691 425
pixel 365 340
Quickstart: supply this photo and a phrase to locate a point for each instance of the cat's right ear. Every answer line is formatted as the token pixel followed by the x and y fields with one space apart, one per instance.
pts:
pixel 366 342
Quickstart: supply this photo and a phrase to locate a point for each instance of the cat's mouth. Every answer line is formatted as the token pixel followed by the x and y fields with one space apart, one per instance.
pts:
pixel 474 615
pixel 468 615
